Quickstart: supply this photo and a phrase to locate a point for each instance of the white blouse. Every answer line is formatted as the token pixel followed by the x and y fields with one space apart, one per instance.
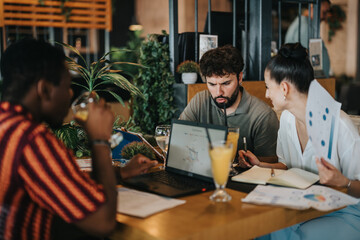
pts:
pixel 346 156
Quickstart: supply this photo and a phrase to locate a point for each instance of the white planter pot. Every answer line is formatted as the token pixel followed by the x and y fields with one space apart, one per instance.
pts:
pixel 189 78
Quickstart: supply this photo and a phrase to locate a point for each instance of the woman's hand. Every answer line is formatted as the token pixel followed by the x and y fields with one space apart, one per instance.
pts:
pixel 247 159
pixel 329 175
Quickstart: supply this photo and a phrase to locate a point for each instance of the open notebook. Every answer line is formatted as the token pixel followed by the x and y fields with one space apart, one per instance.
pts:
pixel 294 177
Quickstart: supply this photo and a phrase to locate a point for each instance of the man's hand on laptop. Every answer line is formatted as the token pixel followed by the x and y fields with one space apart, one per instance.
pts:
pixel 139 164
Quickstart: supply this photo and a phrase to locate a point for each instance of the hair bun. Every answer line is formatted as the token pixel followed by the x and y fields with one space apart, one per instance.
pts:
pixel 285 52
pixel 299 53
pixel 295 51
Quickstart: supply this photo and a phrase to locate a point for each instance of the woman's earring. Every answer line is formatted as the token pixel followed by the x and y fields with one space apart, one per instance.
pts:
pixel 284 98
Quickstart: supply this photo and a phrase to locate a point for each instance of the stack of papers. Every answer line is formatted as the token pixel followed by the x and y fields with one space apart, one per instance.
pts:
pixel 294 177
pixel 142 204
pixel 318 197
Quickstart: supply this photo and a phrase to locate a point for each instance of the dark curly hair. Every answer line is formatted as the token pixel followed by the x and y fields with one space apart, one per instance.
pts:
pixel 25 62
pixel 293 64
pixel 222 61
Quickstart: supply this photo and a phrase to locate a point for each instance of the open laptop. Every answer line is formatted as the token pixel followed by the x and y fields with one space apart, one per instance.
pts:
pixel 188 165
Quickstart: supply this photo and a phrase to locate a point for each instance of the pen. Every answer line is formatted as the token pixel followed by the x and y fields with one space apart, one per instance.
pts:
pixel 245 148
pixel 272 172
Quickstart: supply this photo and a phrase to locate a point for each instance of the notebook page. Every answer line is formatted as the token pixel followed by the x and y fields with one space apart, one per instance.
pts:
pixel 256 175
pixel 295 177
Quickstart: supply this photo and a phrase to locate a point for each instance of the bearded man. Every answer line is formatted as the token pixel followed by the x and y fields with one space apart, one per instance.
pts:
pixel 222 68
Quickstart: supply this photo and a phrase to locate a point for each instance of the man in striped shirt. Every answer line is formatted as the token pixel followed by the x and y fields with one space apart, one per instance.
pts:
pixel 39 178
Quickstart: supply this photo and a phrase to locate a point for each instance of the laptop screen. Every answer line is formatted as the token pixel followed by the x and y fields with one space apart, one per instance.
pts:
pixel 188 151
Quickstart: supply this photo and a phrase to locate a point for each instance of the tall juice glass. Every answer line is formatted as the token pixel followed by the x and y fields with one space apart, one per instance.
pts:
pixel 233 137
pixel 220 154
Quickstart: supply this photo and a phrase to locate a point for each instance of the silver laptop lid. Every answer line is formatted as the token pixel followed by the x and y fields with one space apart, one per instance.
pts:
pixel 188 151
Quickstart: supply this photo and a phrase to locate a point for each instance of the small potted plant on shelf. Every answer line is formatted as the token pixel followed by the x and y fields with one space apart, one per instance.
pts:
pixel 189 71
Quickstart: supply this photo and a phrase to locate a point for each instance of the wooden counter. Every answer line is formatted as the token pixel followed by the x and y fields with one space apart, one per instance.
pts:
pixel 199 218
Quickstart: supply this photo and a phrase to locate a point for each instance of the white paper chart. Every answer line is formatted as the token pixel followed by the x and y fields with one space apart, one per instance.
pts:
pixel 319 197
pixel 322 118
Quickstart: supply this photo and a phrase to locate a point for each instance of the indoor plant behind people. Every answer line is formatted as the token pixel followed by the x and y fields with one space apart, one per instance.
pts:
pixel 99 73
pixel 95 75
pixel 156 83
pixel 189 71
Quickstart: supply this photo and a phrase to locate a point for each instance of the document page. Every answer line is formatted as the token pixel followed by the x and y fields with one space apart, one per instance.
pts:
pixel 322 120
pixel 142 204
pixel 319 197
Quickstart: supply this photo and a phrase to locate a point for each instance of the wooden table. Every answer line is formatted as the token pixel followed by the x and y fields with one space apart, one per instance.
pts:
pixel 199 218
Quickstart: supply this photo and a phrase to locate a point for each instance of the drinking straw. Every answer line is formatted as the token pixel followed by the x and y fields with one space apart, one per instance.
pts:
pixel 225 115
pixel 208 137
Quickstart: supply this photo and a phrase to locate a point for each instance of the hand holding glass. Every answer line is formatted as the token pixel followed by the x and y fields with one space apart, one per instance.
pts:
pixel 81 113
pixel 220 154
pixel 80 105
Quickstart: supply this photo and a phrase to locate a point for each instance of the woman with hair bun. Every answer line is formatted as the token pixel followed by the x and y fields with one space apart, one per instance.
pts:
pixel 287 77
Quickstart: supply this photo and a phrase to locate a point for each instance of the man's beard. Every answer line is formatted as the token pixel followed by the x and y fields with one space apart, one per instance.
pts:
pixel 230 100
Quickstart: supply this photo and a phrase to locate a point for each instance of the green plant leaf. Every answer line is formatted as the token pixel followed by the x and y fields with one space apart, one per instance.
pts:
pixel 129 63
pixel 102 82
pixel 115 71
pixel 156 83
pixel 73 49
pixel 102 71
pixel 81 85
pixel 122 82
pixel 99 73
pixel 117 97
pixel 68 46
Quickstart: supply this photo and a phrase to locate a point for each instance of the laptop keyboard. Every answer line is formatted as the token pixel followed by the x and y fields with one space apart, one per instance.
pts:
pixel 178 181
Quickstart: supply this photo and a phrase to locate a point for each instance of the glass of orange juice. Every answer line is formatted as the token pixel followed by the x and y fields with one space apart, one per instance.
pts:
pixel 81 113
pixel 233 137
pixel 220 154
pixel 80 105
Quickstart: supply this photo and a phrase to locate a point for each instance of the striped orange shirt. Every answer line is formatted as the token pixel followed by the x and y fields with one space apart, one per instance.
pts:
pixel 39 178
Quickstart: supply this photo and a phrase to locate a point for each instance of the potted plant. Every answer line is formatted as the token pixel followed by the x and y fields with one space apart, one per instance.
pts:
pixel 133 148
pixel 189 71
pixel 95 75
pixel 156 83
pixel 100 73
pixel 74 138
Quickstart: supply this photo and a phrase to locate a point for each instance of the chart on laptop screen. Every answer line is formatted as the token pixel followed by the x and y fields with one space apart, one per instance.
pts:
pixel 189 146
